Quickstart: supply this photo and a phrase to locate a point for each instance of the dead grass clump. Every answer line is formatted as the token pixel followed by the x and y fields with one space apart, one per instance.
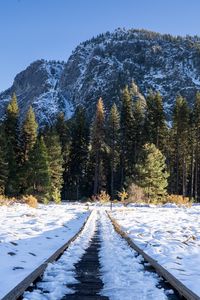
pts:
pixel 178 199
pixel 30 200
pixel 7 201
pixel 103 197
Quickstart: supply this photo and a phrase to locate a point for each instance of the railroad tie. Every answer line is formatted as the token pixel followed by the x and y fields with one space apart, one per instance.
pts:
pixel 87 270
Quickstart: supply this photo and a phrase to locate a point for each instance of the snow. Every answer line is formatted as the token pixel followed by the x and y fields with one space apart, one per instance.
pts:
pixel 169 234
pixel 122 272
pixel 62 272
pixel 29 236
pixel 118 282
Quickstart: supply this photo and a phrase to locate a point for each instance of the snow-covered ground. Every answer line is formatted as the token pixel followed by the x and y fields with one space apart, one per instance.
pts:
pixel 123 274
pixel 29 236
pixel 171 235
pixel 62 272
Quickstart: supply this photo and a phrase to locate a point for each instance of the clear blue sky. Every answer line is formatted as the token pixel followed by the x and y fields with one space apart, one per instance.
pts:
pixel 50 29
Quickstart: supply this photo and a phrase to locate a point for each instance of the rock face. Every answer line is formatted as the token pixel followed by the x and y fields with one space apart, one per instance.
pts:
pixel 38 86
pixel 102 66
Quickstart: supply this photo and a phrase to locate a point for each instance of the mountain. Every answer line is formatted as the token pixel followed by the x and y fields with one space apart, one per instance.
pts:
pixel 102 66
pixel 38 86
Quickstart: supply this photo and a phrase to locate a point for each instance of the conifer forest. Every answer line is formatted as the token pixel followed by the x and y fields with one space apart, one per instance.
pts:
pixel 132 147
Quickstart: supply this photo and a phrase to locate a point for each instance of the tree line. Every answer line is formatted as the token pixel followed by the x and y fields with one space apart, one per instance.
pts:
pixel 130 144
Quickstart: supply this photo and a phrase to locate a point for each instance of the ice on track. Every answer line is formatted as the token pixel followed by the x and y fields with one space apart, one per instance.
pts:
pixel 123 274
pixel 28 236
pixel 62 272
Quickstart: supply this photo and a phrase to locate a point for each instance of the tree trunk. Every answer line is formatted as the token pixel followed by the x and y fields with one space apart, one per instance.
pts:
pixel 112 170
pixel 77 189
pixel 177 176
pixel 196 179
pixel 96 174
pixel 184 177
pixel 192 175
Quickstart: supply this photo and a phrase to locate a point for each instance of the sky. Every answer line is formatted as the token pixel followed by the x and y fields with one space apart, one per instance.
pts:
pixel 51 29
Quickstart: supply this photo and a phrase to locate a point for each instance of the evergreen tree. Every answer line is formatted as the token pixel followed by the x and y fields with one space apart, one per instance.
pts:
pixel 180 146
pixel 11 124
pixel 55 164
pixel 139 119
pixel 127 136
pixel 113 137
pixel 155 121
pixel 12 121
pixel 39 176
pixel 151 172
pixel 79 153
pixel 196 147
pixel 98 146
pixel 62 128
pixel 29 133
pixel 3 162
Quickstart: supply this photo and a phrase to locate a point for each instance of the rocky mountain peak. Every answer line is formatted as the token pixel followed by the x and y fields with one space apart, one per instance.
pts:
pixel 102 66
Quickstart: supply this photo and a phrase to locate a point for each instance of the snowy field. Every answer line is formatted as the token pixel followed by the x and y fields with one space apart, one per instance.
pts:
pixel 171 235
pixel 29 236
pixel 124 276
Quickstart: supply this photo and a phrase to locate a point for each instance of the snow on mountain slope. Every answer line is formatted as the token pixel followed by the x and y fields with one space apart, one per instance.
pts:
pixel 102 66
pixel 38 86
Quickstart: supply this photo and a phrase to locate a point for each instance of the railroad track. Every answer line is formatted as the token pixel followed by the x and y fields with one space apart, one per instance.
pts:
pixel 17 292
pixel 88 282
pixel 177 285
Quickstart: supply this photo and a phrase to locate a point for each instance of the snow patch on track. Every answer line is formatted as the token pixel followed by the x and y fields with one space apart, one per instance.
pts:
pixel 123 274
pixel 62 272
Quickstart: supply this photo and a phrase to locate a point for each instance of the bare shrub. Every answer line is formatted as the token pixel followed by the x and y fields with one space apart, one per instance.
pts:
pixel 123 195
pixel 135 193
pixel 103 197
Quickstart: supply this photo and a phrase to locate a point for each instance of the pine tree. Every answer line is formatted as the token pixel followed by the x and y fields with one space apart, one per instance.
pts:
pixel 3 161
pixel 79 152
pixel 180 146
pixel 39 177
pixel 55 164
pixel 151 172
pixel 29 133
pixel 12 121
pixel 196 146
pixel 127 137
pixel 155 121
pixel 62 128
pixel 139 119
pixel 97 146
pixel 113 138
pixel 11 124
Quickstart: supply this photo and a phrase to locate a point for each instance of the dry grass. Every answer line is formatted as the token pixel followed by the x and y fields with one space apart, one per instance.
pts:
pixel 178 199
pixel 30 200
pixel 7 201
